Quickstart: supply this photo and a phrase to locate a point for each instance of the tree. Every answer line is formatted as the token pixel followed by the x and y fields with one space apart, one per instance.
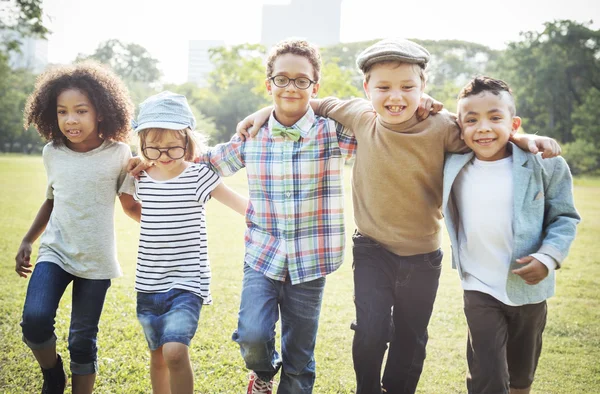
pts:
pixel 20 18
pixel 132 62
pixel 551 72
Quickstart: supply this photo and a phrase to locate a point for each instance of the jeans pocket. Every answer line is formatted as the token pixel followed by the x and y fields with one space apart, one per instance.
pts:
pixel 434 259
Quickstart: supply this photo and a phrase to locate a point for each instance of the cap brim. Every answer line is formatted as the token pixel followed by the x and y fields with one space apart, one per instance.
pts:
pixel 161 125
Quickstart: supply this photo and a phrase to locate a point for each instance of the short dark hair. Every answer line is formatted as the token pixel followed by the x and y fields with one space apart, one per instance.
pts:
pixel 296 47
pixel 107 93
pixel 487 84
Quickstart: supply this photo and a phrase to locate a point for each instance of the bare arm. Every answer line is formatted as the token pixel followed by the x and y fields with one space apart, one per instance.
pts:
pixel 131 207
pixel 23 257
pixel 230 198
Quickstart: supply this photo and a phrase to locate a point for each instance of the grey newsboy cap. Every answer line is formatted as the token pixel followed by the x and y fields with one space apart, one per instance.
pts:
pixel 393 49
pixel 165 110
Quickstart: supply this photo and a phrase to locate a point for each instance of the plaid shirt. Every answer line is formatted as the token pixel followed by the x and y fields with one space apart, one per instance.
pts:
pixel 296 213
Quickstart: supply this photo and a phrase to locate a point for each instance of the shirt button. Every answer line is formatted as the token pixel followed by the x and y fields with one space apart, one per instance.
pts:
pixel 288 194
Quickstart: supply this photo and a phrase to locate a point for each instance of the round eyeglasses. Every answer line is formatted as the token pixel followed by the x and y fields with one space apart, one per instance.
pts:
pixel 281 81
pixel 173 153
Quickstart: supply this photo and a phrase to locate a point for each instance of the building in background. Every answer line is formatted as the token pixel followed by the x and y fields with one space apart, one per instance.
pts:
pixel 317 21
pixel 199 65
pixel 33 54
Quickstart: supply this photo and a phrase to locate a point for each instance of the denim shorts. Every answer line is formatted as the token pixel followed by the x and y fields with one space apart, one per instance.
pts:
pixel 168 317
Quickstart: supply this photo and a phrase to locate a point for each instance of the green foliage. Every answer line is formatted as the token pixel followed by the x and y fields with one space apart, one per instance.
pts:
pixel 132 62
pixel 15 86
pixel 20 18
pixel 550 73
pixel 335 82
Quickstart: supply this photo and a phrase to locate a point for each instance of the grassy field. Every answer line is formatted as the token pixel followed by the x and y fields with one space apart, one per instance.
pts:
pixel 570 361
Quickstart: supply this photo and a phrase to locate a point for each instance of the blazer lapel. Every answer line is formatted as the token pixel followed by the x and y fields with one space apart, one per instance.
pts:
pixel 452 168
pixel 521 176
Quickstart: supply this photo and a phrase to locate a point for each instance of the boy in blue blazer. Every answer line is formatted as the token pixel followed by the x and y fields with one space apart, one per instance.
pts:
pixel 511 220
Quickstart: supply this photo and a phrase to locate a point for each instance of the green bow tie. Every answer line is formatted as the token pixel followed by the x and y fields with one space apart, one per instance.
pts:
pixel 289 132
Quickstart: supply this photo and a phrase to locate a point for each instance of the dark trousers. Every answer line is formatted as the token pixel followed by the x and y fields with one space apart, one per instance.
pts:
pixel 504 343
pixel 394 298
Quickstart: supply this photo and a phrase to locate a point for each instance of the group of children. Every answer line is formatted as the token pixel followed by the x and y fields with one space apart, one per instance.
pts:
pixel 509 213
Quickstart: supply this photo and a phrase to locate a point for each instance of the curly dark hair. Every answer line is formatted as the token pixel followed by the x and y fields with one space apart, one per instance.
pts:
pixel 107 93
pixel 295 47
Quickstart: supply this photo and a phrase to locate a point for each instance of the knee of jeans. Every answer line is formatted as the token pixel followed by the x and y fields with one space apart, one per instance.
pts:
pixel 252 337
pixel 372 335
pixel 37 326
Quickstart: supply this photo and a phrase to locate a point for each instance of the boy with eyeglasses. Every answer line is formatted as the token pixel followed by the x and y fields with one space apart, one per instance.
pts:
pixel 295 218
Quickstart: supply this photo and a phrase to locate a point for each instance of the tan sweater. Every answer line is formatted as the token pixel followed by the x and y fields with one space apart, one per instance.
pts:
pixel 397 176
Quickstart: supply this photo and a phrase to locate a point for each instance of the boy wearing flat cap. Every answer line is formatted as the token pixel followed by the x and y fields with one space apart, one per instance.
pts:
pixel 397 195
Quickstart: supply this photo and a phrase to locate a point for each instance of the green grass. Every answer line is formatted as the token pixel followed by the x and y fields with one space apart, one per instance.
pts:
pixel 569 363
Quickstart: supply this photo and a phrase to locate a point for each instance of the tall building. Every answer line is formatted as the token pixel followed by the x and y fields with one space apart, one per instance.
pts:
pixel 318 21
pixel 33 54
pixel 199 65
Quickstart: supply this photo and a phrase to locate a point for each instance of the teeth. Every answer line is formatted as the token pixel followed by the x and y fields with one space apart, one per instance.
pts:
pixel 395 108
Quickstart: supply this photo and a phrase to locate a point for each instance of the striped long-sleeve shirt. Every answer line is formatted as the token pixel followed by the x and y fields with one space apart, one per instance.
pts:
pixel 295 216
pixel 172 252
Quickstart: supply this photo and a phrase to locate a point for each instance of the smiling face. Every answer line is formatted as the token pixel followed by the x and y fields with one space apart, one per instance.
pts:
pixel 290 102
pixel 158 144
pixel 395 90
pixel 487 122
pixel 78 120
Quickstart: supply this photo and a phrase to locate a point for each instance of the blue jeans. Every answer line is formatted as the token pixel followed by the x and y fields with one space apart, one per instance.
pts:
pixel 171 316
pixel 262 301
pixel 394 298
pixel 46 287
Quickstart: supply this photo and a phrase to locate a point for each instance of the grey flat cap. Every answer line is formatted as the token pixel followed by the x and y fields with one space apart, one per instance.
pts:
pixel 392 49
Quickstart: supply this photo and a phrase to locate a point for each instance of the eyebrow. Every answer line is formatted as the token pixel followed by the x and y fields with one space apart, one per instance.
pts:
pixel 78 105
pixel 488 112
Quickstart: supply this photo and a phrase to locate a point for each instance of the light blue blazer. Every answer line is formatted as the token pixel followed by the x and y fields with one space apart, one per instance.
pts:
pixel 544 216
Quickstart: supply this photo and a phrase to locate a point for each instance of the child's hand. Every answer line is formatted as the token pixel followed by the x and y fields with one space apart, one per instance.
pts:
pixel 533 273
pixel 23 259
pixel 548 146
pixel 248 127
pixel 135 166
pixel 427 106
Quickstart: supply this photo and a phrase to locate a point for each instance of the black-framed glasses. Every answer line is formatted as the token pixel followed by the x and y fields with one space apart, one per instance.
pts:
pixel 281 81
pixel 173 153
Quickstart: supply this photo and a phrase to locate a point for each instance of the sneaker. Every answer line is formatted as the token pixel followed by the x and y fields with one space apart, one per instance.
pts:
pixel 55 378
pixel 258 386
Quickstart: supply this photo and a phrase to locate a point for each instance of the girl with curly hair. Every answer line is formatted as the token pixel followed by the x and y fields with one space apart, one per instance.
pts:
pixel 84 112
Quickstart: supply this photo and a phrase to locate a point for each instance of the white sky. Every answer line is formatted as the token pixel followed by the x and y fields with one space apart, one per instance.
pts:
pixel 164 27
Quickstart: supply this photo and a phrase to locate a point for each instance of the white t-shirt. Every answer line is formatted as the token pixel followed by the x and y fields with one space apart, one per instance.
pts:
pixel 484 197
pixel 80 235
pixel 173 249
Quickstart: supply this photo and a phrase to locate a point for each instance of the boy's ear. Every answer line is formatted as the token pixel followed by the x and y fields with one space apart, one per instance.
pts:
pixel 516 123
pixel 315 90
pixel 462 134
pixel 366 89
pixel 268 85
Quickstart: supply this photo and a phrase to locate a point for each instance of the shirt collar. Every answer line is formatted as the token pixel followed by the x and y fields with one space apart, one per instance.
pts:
pixel 304 124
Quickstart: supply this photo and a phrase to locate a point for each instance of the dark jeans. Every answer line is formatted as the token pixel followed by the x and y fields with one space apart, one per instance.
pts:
pixel 46 287
pixel 394 298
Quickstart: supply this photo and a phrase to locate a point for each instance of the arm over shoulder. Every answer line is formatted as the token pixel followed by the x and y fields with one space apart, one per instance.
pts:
pixel 560 215
pixel 349 113
pixel 227 158
pixel 453 142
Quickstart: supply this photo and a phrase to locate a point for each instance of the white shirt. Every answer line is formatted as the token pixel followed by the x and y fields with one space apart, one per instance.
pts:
pixel 484 196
